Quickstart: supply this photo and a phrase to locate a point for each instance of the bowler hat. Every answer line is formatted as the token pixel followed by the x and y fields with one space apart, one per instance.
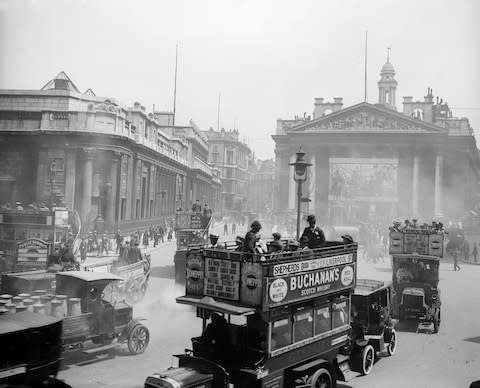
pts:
pixel 311 218
pixel 348 238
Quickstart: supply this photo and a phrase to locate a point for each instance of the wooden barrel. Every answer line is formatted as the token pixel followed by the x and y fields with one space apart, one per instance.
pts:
pixel 64 300
pixel 18 300
pixel 46 300
pixel 6 297
pixel 24 295
pixel 74 307
pixel 57 308
pixel 11 308
pixel 28 303
pixel 3 310
pixel 39 292
pixel 20 308
pixel 39 308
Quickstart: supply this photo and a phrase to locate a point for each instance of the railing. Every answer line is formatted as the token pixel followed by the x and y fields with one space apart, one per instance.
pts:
pixel 201 165
pixel 77 126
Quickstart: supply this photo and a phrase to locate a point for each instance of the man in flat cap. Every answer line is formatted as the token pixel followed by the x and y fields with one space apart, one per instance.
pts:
pixel 312 234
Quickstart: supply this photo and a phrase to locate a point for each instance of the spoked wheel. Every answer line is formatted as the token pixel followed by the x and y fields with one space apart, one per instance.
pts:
pixel 322 378
pixel 368 359
pixel 392 346
pixel 138 339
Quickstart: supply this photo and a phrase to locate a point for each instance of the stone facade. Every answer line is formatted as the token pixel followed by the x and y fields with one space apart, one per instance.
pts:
pixel 371 162
pixel 131 168
pixel 232 158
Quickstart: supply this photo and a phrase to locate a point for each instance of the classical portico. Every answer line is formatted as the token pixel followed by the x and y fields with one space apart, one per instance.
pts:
pixel 371 162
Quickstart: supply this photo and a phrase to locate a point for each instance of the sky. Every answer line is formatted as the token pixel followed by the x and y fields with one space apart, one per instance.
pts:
pixel 266 59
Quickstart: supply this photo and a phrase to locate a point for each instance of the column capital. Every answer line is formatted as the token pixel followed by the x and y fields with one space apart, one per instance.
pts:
pixel 89 152
pixel 116 155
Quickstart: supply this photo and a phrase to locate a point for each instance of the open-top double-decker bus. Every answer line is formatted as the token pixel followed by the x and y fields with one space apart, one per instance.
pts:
pixel 191 229
pixel 278 320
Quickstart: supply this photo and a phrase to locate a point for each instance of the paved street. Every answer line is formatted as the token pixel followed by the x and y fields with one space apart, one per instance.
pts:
pixel 447 359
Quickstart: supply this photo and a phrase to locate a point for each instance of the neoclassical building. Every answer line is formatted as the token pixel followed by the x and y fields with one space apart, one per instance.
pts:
pixel 90 153
pixel 371 162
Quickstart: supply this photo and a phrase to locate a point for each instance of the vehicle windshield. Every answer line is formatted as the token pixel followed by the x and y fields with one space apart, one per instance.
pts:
pixel 417 272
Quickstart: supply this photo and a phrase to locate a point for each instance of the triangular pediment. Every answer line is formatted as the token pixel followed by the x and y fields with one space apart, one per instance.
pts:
pixel 365 117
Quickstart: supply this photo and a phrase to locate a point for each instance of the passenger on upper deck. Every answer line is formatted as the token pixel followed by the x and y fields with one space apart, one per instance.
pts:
pixel 214 240
pixel 315 235
pixel 197 208
pixel 251 237
pixel 275 245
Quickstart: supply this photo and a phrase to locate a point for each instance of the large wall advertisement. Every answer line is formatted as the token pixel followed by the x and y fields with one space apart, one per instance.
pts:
pixel 363 179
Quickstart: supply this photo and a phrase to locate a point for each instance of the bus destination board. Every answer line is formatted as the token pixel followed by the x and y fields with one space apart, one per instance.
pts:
pixel 222 278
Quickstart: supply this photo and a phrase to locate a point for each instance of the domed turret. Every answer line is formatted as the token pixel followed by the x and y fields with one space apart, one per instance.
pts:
pixel 387 85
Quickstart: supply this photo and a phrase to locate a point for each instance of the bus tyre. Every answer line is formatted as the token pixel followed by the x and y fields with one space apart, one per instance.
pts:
pixel 322 378
pixel 392 345
pixel 368 359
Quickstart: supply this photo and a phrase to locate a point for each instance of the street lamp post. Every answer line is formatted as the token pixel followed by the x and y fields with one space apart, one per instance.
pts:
pixel 299 176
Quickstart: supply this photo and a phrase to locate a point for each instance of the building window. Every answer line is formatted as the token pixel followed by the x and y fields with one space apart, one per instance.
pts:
pixel 229 157
pixel 123 207
pixel 58 116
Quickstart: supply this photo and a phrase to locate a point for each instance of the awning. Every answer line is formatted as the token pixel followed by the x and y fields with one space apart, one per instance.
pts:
pixel 209 303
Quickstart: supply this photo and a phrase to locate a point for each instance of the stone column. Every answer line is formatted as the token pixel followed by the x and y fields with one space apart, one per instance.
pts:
pixel 130 185
pixel 292 193
pixel 70 171
pixel 87 181
pixel 438 212
pixel 42 176
pixel 322 178
pixel 415 186
pixel 311 183
pixel 112 193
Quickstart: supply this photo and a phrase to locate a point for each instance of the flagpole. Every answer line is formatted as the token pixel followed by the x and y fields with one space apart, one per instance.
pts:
pixel 175 85
pixel 366 48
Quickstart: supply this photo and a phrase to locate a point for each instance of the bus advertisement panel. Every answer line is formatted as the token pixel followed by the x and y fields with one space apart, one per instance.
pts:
pixel 295 287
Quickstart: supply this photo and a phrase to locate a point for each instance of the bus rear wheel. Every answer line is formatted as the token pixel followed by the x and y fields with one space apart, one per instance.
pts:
pixel 322 378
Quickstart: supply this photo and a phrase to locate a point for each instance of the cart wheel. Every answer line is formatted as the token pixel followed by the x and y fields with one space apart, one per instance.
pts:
pixel 322 378
pixel 138 339
pixel 392 345
pixel 368 358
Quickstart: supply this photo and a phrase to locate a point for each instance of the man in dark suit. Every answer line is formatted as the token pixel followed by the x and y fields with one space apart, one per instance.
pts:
pixel 313 235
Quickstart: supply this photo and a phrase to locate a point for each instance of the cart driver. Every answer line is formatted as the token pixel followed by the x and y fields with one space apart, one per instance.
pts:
pixel 404 275
pixel 215 337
